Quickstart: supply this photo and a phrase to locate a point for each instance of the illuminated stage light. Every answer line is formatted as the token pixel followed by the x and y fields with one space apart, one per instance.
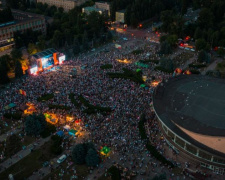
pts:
pixel 34 70
pixel 62 59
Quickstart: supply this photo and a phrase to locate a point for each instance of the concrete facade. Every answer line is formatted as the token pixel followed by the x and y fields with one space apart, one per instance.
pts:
pixel 65 4
pixel 22 22
pixel 120 15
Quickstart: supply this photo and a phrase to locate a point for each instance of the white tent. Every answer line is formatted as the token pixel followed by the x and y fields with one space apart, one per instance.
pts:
pixel 67 127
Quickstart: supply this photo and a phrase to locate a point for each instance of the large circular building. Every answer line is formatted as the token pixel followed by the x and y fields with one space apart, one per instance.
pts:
pixel 191 112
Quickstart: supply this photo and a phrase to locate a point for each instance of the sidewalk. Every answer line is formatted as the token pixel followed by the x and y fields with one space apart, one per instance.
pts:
pixel 8 133
pixel 21 154
pixel 212 66
pixel 44 171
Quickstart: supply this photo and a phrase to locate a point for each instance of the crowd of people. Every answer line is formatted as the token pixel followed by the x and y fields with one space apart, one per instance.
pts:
pixel 118 129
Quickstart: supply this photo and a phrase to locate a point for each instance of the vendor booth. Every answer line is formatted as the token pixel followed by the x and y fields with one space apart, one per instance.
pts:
pixel 72 132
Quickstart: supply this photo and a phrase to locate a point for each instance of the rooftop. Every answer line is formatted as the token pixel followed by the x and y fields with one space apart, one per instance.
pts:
pixel 121 11
pixel 45 53
pixel 191 106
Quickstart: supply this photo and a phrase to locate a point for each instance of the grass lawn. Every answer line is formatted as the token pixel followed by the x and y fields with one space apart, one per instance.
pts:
pixel 25 167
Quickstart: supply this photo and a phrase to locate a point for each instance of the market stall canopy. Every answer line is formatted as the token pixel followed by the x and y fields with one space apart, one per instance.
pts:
pixel 60 133
pixel 138 70
pixel 67 127
pixel 105 150
pixel 9 106
pixel 142 64
pixel 72 132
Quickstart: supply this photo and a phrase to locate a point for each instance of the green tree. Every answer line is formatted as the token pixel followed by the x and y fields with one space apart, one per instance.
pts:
pixel 167 64
pixel 114 173
pixel 32 48
pixel 92 158
pixel 203 56
pixel 56 147
pixel 133 20
pixel 78 154
pixel 57 39
pixel 18 69
pixel 35 124
pixel 32 126
pixel 184 6
pixel 76 46
pixel 200 44
pixel 85 41
pixel 198 33
pixel 3 74
pixel 172 40
pixel 16 54
pixel 205 19
pixel 41 45
pixel 221 52
pixel 41 119
pixel 109 35
pixel 165 48
pixel 128 15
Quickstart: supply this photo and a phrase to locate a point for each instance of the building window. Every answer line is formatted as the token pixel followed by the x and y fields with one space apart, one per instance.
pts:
pixel 191 149
pixel 205 155
pixel 180 142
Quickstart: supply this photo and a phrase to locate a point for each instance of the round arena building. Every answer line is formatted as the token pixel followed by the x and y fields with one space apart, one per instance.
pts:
pixel 191 114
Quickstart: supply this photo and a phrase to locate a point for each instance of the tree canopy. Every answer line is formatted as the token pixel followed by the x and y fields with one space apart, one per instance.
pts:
pixel 35 124
pixel 92 158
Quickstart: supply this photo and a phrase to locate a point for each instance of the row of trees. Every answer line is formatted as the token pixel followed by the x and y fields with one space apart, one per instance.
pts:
pixel 208 30
pixel 10 62
pixel 85 153
pixel 6 15
pixel 69 30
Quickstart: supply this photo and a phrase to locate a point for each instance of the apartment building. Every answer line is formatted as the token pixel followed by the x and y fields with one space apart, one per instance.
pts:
pixel 22 22
pixel 103 5
pixel 65 4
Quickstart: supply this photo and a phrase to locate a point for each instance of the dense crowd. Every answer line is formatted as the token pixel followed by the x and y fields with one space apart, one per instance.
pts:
pixel 127 99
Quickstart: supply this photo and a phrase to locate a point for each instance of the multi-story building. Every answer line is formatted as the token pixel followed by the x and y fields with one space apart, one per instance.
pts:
pixel 191 118
pixel 103 5
pixel 65 4
pixel 2 3
pixel 22 22
pixel 120 16
pixel 89 9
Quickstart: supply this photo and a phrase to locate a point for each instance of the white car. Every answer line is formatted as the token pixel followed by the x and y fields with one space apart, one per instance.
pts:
pixel 61 159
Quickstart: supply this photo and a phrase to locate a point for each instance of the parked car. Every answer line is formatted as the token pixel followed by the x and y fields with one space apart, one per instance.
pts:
pixel 61 159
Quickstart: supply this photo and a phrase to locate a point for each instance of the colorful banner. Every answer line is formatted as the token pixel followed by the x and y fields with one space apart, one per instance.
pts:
pixel 23 92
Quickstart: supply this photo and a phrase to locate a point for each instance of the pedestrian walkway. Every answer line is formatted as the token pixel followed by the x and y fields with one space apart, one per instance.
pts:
pixel 212 66
pixel 21 154
pixel 4 136
pixel 44 171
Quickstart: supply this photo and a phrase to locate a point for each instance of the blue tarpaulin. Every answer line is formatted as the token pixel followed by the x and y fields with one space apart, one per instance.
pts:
pixel 60 133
